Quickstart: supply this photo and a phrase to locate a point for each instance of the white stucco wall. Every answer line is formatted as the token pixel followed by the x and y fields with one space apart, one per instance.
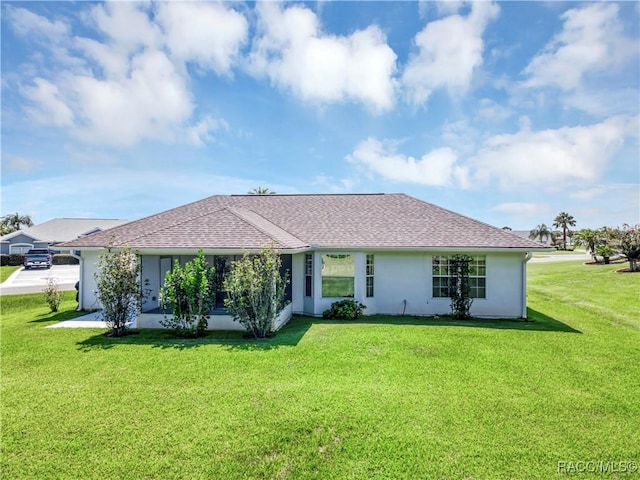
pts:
pixel 297 283
pixel 403 284
pixel 88 286
pixel 399 277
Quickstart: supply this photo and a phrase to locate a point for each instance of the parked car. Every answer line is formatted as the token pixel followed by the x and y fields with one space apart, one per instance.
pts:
pixel 38 257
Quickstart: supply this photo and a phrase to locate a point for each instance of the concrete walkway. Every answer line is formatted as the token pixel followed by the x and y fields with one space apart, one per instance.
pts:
pixel 91 320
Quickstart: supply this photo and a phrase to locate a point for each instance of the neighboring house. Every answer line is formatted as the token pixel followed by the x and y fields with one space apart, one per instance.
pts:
pixel 525 234
pixel 388 251
pixel 53 232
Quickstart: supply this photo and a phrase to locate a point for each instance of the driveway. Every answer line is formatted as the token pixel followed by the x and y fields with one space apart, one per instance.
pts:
pixel 34 280
pixel 568 257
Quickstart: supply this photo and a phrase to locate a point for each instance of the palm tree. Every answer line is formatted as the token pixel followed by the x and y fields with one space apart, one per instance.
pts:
pixel 541 232
pixel 261 191
pixel 564 220
pixel 13 222
pixel 588 238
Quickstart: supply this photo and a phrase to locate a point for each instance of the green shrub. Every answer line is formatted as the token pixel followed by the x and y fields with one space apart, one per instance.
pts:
pixel 13 260
pixel 255 289
pixel 52 295
pixel 344 310
pixel 188 295
pixel 65 259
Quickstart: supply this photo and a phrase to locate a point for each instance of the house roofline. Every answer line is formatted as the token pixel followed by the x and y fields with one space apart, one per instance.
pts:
pixel 321 248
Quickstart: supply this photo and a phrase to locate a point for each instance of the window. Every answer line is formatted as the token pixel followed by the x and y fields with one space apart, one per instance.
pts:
pixel 308 275
pixel 369 275
pixel 338 273
pixel 442 277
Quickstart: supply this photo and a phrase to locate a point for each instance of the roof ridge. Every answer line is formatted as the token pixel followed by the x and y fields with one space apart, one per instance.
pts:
pixel 240 213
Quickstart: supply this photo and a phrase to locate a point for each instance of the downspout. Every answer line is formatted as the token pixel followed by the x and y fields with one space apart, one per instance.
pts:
pixel 527 257
pixel 81 285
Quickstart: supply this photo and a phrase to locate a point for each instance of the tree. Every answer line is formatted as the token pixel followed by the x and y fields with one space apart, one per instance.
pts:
pixel 13 222
pixel 564 220
pixel 507 229
pixel 261 191
pixel 459 288
pixel 255 289
pixel 118 288
pixel 629 244
pixel 189 293
pixel 588 238
pixel 541 232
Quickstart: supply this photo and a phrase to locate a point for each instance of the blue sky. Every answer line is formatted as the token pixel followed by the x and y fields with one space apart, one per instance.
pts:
pixel 506 112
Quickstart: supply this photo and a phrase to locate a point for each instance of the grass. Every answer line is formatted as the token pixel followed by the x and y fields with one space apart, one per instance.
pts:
pixel 395 397
pixel 6 271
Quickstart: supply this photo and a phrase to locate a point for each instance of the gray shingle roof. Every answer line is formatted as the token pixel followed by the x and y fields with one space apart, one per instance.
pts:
pixel 65 229
pixel 299 221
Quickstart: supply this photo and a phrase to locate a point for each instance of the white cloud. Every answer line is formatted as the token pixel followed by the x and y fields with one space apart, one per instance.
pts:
pixel 127 87
pixel 127 25
pixel 492 111
pixel 591 40
pixel 523 209
pixel 126 110
pixel 292 51
pixel 549 157
pixel 205 33
pixel 436 168
pixel 589 193
pixel 28 24
pixel 449 51
pixel 48 107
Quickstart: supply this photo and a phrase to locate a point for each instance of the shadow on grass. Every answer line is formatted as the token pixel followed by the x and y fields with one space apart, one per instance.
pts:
pixel 291 334
pixel 288 336
pixel 58 316
pixel 536 322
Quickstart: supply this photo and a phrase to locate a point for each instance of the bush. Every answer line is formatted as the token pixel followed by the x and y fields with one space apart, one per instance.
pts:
pixel 13 260
pixel 52 295
pixel 65 259
pixel 118 289
pixel 255 290
pixel 344 310
pixel 189 295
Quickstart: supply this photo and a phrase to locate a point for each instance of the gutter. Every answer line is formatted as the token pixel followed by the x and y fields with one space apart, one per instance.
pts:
pixel 527 257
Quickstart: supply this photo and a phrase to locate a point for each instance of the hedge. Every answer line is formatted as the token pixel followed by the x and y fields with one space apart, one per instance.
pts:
pixel 18 259
pixel 65 259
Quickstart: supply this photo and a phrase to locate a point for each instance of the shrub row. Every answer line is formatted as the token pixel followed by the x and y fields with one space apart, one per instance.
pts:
pixel 65 259
pixel 11 260
pixel 18 259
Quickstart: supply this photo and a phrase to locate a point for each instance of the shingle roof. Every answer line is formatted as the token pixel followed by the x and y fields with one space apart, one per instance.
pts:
pixel 299 221
pixel 65 229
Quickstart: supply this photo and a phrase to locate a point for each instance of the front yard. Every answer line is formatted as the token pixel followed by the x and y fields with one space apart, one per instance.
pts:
pixel 395 397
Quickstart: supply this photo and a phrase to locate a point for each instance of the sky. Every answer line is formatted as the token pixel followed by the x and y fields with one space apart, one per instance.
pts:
pixel 506 112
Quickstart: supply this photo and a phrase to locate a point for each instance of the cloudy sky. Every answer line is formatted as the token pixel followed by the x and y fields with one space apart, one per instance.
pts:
pixel 506 112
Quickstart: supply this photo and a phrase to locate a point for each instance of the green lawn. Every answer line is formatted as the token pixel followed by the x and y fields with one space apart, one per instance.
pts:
pixel 382 398
pixel 6 271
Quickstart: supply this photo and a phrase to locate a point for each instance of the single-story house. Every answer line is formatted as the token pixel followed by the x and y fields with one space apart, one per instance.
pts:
pixel 53 232
pixel 387 251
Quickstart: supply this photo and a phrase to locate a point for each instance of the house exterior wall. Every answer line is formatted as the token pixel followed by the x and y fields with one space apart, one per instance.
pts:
pixel 403 283
pixel 20 239
pixel 88 286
